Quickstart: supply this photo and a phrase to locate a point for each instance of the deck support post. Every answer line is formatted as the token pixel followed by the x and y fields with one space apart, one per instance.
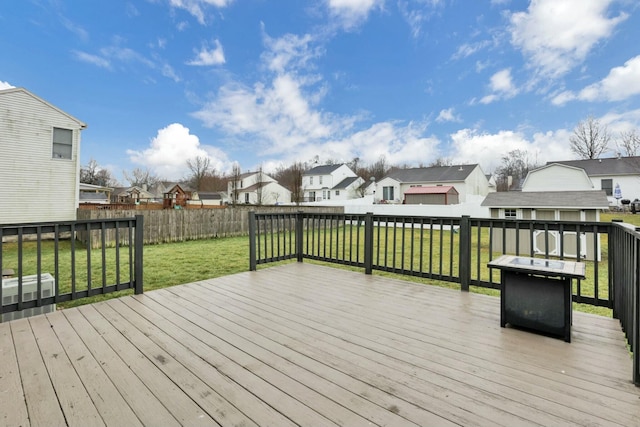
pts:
pixel 139 259
pixel 465 253
pixel 253 264
pixel 299 235
pixel 368 243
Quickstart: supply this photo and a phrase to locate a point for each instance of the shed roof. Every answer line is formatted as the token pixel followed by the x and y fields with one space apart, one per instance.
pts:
pixel 439 189
pixel 455 173
pixel 609 166
pixel 547 199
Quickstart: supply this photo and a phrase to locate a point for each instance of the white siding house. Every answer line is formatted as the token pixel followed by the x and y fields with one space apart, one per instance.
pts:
pixel 468 180
pixel 257 188
pixel 331 182
pixel 607 174
pixel 554 192
pixel 40 161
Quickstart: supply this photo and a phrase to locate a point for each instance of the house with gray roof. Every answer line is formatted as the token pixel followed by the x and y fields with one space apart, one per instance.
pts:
pixel 468 181
pixel 622 173
pixel 331 182
pixel 554 192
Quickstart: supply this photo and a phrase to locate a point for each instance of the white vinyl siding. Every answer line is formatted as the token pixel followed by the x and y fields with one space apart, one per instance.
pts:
pixel 37 188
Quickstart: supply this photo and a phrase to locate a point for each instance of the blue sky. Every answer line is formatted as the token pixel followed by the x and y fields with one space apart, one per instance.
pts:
pixel 269 82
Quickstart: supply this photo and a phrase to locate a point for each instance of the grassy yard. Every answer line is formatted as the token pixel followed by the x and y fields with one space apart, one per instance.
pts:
pixel 177 263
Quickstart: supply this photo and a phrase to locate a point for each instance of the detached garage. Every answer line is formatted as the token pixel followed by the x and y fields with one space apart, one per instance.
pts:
pixel 431 195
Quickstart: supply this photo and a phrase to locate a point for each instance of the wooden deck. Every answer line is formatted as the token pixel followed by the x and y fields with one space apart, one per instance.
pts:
pixel 303 344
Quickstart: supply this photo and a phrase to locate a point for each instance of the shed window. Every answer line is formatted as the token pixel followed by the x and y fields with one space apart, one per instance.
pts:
pixel 607 186
pixel 62 143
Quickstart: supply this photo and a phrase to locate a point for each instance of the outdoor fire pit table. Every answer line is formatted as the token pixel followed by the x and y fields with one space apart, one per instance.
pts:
pixel 535 293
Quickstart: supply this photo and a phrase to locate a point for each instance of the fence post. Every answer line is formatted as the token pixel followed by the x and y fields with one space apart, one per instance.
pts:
pixel 368 243
pixel 465 253
pixel 139 259
pixel 299 235
pixel 253 263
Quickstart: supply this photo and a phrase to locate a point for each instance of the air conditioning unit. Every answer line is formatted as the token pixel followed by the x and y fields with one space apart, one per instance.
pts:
pixel 29 293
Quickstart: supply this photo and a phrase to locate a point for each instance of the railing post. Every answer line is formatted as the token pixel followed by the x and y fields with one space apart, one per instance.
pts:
pixel 636 314
pixel 299 235
pixel 253 263
pixel 465 253
pixel 368 243
pixel 139 259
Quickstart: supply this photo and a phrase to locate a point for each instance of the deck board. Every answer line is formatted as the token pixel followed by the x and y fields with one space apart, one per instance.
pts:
pixel 309 345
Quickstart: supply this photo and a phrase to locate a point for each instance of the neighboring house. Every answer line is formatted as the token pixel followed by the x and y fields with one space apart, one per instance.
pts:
pixel 40 160
pixel 257 188
pixel 540 199
pixel 94 194
pixel 468 180
pixel 131 195
pixel 331 182
pixel 607 174
pixel 439 195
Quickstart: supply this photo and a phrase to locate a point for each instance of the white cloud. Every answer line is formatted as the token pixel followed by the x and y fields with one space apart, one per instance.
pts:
pixel 207 57
pixel 557 35
pixel 487 149
pixel 351 13
pixel 5 85
pixel 447 115
pixel 468 49
pixel 501 84
pixel 621 83
pixel 418 12
pixel 96 60
pixel 289 52
pixel 196 7
pixel 170 149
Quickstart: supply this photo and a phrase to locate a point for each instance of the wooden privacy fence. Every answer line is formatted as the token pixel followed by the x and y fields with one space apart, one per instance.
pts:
pixel 179 225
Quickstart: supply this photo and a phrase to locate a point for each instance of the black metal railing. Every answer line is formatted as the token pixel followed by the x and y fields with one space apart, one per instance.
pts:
pixel 51 263
pixel 624 247
pixel 458 250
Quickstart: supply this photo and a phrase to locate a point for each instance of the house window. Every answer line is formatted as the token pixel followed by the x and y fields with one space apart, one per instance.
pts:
pixel 246 197
pixel 607 186
pixel 510 214
pixel 387 193
pixel 62 143
pixel 337 192
pixel 320 179
pixel 310 180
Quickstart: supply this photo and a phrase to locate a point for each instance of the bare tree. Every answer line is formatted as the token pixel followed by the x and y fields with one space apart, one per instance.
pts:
pixel 629 143
pixel 442 161
pixel 590 139
pixel 140 177
pixel 200 167
pixel 234 178
pixel 93 173
pixel 380 168
pixel 516 164
pixel 290 177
